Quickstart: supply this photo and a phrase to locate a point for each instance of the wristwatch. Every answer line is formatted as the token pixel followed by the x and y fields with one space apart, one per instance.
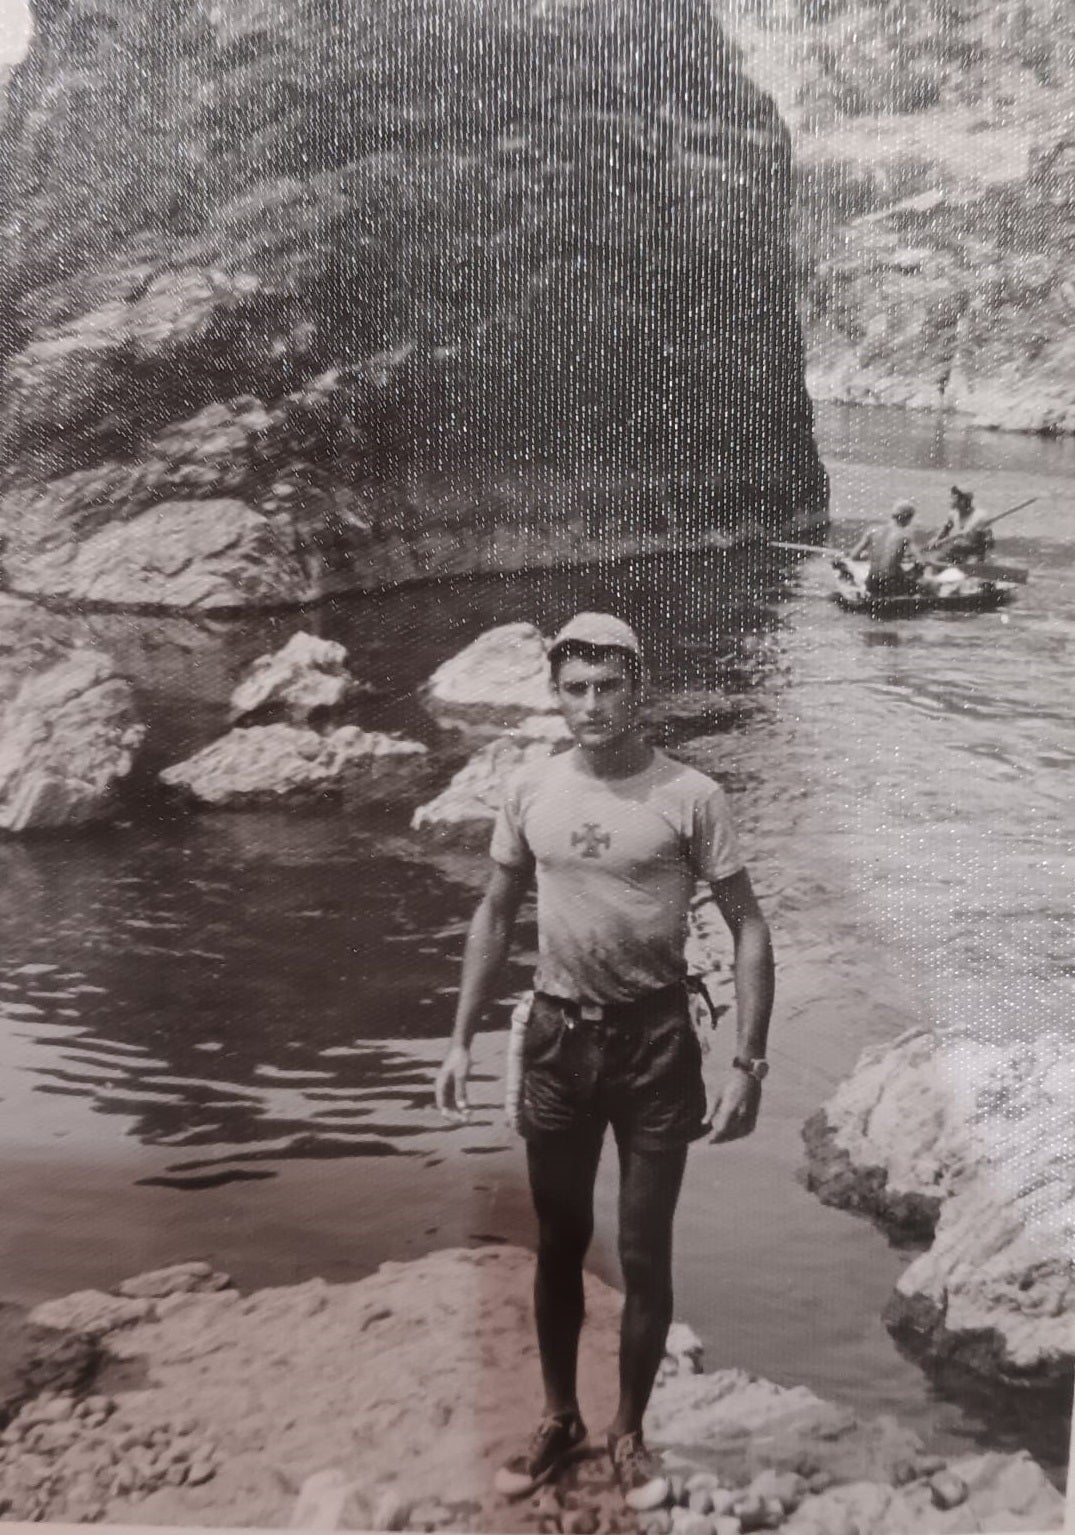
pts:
pixel 754 1067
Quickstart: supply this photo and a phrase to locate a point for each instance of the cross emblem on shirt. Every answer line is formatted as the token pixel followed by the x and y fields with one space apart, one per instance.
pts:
pixel 591 839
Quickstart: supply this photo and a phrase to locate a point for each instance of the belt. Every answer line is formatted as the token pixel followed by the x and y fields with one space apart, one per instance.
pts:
pixel 613 1012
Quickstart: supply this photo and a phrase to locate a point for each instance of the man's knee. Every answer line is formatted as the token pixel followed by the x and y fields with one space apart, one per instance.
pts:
pixel 646 1269
pixel 564 1236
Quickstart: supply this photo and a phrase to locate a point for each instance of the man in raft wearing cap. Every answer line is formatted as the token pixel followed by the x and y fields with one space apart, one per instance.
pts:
pixel 965 535
pixel 889 547
pixel 618 836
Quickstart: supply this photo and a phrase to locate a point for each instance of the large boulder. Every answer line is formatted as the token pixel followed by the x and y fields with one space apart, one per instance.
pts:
pixel 68 738
pixel 276 764
pixel 307 676
pixel 410 207
pixel 967 1142
pixel 502 675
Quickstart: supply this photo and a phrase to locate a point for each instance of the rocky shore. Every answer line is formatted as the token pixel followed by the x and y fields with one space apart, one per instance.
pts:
pixel 387 1404
pixel 965 1145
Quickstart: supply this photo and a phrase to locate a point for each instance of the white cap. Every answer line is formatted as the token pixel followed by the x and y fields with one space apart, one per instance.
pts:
pixel 601 630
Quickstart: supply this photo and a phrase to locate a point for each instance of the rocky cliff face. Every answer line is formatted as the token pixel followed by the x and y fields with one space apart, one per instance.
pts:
pixel 937 198
pixel 419 287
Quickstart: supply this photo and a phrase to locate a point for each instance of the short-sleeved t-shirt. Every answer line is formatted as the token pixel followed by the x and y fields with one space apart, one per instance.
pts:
pixel 617 861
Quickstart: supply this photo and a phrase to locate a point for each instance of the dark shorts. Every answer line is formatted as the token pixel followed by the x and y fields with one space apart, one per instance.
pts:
pixel 638 1068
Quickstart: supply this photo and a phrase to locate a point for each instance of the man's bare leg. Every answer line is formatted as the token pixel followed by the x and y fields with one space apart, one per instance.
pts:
pixel 650 1182
pixel 562 1173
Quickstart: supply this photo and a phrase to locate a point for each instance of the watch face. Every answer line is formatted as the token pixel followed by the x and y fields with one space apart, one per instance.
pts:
pixel 759 1069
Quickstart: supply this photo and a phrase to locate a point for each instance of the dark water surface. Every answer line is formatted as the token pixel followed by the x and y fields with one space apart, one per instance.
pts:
pixel 217 1031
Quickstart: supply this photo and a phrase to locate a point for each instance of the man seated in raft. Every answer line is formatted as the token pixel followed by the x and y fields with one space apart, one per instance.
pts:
pixel 889 548
pixel 963 536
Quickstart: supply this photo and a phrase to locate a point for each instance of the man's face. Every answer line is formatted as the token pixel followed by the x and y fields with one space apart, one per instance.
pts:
pixel 598 699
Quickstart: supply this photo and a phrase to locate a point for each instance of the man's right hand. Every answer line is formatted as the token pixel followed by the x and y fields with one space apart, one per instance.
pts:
pixel 450 1089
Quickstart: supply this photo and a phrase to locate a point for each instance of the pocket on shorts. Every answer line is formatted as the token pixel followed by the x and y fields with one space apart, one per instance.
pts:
pixel 544 1031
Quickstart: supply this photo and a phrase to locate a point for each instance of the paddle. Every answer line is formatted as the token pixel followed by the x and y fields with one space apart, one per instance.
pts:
pixel 989 521
pixel 811 548
pixel 990 572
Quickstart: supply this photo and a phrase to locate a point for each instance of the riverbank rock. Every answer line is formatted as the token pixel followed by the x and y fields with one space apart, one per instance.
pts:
pixel 68 738
pixel 320 326
pixel 303 1397
pixel 500 676
pixel 469 805
pixel 969 1143
pixel 306 677
pixel 202 556
pixel 273 764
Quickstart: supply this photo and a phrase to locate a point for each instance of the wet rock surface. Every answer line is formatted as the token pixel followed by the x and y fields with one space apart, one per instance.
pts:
pixel 201 556
pixel 498 678
pixel 68 737
pixel 308 676
pixel 296 1401
pixel 273 764
pixel 469 804
pixel 968 1143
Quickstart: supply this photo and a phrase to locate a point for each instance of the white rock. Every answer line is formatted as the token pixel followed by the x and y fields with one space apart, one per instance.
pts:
pixel 67 738
pixel 683 1351
pixel 307 675
pixel 197 555
pixel 176 1279
pixel 90 1311
pixel 267 764
pixel 503 668
pixel 687 1521
pixel 476 792
pixel 987 1130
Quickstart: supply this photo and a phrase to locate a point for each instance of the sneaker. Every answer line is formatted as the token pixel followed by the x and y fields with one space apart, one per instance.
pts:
pixel 638 1473
pixel 556 1442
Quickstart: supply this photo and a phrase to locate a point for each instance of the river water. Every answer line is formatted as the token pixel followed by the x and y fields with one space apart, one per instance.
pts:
pixel 217 1031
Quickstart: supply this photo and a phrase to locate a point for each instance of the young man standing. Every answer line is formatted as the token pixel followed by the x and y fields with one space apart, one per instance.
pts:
pixel 618 836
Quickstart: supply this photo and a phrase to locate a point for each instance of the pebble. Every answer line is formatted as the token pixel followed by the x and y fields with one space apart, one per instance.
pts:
pixel 947 1490
pixel 655 1498
pixel 707 1479
pixel 785 1486
pixel 201 1470
pixel 929 1465
pixel 659 1522
pixel 686 1522
pixel 757 1513
pixel 579 1521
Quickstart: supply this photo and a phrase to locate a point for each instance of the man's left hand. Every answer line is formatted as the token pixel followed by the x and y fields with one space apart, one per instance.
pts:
pixel 735 1112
